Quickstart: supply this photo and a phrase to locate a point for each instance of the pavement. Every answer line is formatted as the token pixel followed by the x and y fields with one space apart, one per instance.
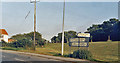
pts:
pixel 9 56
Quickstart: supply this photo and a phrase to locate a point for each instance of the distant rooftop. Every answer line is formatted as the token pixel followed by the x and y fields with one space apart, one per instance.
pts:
pixel 3 31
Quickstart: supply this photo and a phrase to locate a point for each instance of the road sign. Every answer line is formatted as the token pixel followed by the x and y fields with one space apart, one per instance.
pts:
pixel 79 42
pixel 83 35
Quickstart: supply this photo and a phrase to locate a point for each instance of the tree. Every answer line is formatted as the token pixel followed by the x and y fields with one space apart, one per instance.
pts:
pixel 53 39
pixel 68 34
pixel 30 37
pixel 101 32
pixel 3 43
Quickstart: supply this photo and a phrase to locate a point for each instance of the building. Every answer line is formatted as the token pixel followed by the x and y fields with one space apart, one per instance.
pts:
pixel 11 40
pixel 3 35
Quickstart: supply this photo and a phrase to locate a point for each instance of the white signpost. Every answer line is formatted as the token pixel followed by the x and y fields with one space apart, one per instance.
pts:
pixel 83 35
pixel 81 41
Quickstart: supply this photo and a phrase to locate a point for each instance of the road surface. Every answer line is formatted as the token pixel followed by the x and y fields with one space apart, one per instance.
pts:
pixel 8 57
pixel 25 57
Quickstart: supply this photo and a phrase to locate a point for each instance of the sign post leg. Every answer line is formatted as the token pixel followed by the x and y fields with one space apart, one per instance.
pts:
pixel 69 51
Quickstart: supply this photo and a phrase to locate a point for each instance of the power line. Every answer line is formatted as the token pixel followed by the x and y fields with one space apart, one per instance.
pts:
pixel 27 15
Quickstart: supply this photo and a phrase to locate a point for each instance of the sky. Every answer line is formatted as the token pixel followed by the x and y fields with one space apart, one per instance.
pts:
pixel 78 16
pixel 61 0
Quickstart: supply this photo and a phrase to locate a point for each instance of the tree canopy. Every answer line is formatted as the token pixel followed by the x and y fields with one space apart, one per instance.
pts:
pixel 29 37
pixel 68 34
pixel 100 32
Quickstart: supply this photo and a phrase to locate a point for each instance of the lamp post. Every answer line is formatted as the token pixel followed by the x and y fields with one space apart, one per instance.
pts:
pixel 63 29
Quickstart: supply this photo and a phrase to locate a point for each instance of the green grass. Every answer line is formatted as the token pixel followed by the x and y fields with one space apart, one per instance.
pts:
pixel 107 51
pixel 101 51
pixel 10 48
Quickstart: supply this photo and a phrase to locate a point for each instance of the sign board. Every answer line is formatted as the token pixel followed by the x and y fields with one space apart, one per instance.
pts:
pixel 79 42
pixel 79 39
pixel 83 35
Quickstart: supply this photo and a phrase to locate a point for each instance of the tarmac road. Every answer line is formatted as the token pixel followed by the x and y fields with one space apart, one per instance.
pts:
pixel 8 57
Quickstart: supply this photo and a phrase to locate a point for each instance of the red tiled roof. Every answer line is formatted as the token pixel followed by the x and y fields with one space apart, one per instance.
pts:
pixel 3 31
pixel 11 40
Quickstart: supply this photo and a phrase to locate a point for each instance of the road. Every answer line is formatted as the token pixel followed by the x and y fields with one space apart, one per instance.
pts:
pixel 25 57
pixel 16 58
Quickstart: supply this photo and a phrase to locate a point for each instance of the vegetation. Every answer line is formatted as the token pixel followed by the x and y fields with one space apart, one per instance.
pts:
pixel 11 48
pixel 101 51
pixel 69 34
pixel 26 40
pixel 23 43
pixel 30 36
pixel 108 30
pixel 82 54
pixel 3 43
pixel 101 32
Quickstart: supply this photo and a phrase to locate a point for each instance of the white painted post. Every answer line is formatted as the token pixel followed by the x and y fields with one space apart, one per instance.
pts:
pixel 63 29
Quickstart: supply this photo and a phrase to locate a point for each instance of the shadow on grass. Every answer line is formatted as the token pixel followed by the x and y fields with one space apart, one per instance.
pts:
pixel 70 55
pixel 107 61
pixel 10 48
pixel 54 54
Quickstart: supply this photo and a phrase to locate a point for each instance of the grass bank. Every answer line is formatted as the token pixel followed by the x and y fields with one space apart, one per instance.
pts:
pixel 101 51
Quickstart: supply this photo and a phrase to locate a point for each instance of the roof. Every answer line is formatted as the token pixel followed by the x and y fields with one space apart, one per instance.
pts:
pixel 11 40
pixel 3 31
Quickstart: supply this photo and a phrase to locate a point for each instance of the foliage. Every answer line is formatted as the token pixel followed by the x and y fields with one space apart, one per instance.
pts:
pixel 25 40
pixel 24 43
pixel 11 48
pixel 82 54
pixel 100 32
pixel 3 43
pixel 68 34
pixel 28 38
pixel 101 51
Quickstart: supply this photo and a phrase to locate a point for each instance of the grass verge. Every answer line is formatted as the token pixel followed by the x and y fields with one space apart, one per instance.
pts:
pixel 105 52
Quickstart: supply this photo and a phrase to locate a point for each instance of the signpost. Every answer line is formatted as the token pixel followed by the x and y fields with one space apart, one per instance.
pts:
pixel 81 41
pixel 83 35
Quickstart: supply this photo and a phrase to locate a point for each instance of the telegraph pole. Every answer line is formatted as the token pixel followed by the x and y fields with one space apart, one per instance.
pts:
pixel 63 28
pixel 34 24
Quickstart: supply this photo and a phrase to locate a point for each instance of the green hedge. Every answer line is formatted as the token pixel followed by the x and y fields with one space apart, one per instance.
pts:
pixel 82 54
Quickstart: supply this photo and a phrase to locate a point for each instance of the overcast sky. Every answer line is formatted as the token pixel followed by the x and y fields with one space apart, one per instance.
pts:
pixel 78 16
pixel 61 0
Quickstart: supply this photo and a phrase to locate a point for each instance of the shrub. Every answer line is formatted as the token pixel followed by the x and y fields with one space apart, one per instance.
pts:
pixel 3 43
pixel 24 43
pixel 82 54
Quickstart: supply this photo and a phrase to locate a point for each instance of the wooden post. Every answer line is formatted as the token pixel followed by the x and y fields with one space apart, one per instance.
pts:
pixel 91 38
pixel 34 24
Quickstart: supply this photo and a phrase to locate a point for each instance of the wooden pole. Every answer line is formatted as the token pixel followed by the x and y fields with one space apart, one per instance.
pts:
pixel 34 24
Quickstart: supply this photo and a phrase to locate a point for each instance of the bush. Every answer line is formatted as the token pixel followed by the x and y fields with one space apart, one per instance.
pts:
pixel 29 37
pixel 3 43
pixel 82 54
pixel 24 43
